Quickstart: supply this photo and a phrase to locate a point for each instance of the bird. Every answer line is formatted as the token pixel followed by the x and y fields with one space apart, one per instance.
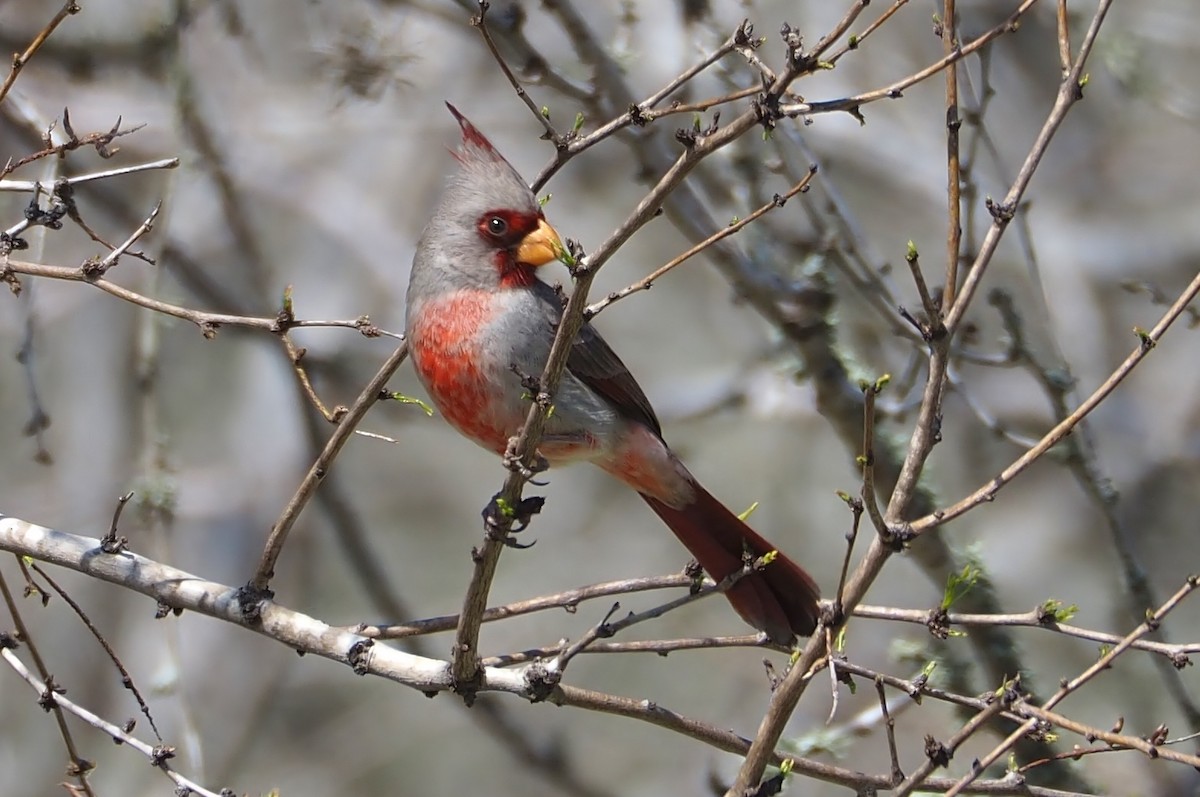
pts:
pixel 479 321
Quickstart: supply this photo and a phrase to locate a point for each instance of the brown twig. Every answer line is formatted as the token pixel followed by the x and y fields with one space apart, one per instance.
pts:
pixel 1064 38
pixel 480 22
pixel 896 89
pixel 839 29
pixel 659 647
pixel 1117 741
pixel 953 163
pixel 1035 618
pixel 21 59
pixel 870 500
pixel 207 322
pixel 126 679
pixel 308 485
pixel 647 282
pixel 567 600
pixel 1070 91
pixel 644 112
pixel 101 141
pixel 111 258
pixel 939 755
pixel 855 41
pixel 889 726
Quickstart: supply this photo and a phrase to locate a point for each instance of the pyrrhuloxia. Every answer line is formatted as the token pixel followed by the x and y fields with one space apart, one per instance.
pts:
pixel 478 316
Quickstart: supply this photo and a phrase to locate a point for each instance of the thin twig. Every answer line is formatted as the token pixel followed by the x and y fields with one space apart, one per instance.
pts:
pixel 937 754
pixel 644 111
pixel 79 765
pixel 568 600
pixel 659 647
pixel 839 29
pixel 647 282
pixel 856 511
pixel 867 460
pixel 1070 91
pixel 111 258
pixel 157 754
pixel 986 493
pixel 855 41
pixel 1118 741
pixel 1036 618
pixel 896 89
pixel 480 22
pixel 308 485
pixel 126 679
pixel 953 162
pixel 207 322
pixel 913 259
pixel 22 58
pixel 1064 38
pixel 26 186
pixel 889 726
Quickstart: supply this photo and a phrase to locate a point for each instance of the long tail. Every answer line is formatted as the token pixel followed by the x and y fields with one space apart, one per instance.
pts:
pixel 780 599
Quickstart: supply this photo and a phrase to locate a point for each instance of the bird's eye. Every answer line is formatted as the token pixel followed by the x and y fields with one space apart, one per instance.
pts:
pixel 497 226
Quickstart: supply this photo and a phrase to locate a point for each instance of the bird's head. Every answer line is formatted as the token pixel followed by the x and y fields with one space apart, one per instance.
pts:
pixel 489 229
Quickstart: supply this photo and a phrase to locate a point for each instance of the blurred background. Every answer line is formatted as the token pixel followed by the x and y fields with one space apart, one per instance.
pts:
pixel 313 142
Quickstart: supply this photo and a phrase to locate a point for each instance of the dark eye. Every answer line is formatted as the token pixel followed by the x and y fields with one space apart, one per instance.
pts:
pixel 497 226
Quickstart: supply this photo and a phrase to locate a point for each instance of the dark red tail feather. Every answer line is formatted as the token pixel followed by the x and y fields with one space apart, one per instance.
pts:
pixel 780 599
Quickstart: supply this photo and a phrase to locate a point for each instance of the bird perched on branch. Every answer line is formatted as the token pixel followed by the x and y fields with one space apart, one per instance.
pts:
pixel 479 318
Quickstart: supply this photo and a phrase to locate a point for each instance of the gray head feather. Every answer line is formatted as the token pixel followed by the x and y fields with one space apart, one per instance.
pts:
pixel 450 253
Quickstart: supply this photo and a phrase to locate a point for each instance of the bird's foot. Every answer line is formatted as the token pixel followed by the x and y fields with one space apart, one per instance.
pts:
pixel 515 463
pixel 503 518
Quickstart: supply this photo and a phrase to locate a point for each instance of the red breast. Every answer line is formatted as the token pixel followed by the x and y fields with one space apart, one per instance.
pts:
pixel 449 355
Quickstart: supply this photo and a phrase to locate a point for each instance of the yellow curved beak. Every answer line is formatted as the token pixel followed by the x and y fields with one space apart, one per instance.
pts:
pixel 540 246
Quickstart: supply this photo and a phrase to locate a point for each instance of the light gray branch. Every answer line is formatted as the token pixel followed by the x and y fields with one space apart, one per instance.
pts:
pixel 182 590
